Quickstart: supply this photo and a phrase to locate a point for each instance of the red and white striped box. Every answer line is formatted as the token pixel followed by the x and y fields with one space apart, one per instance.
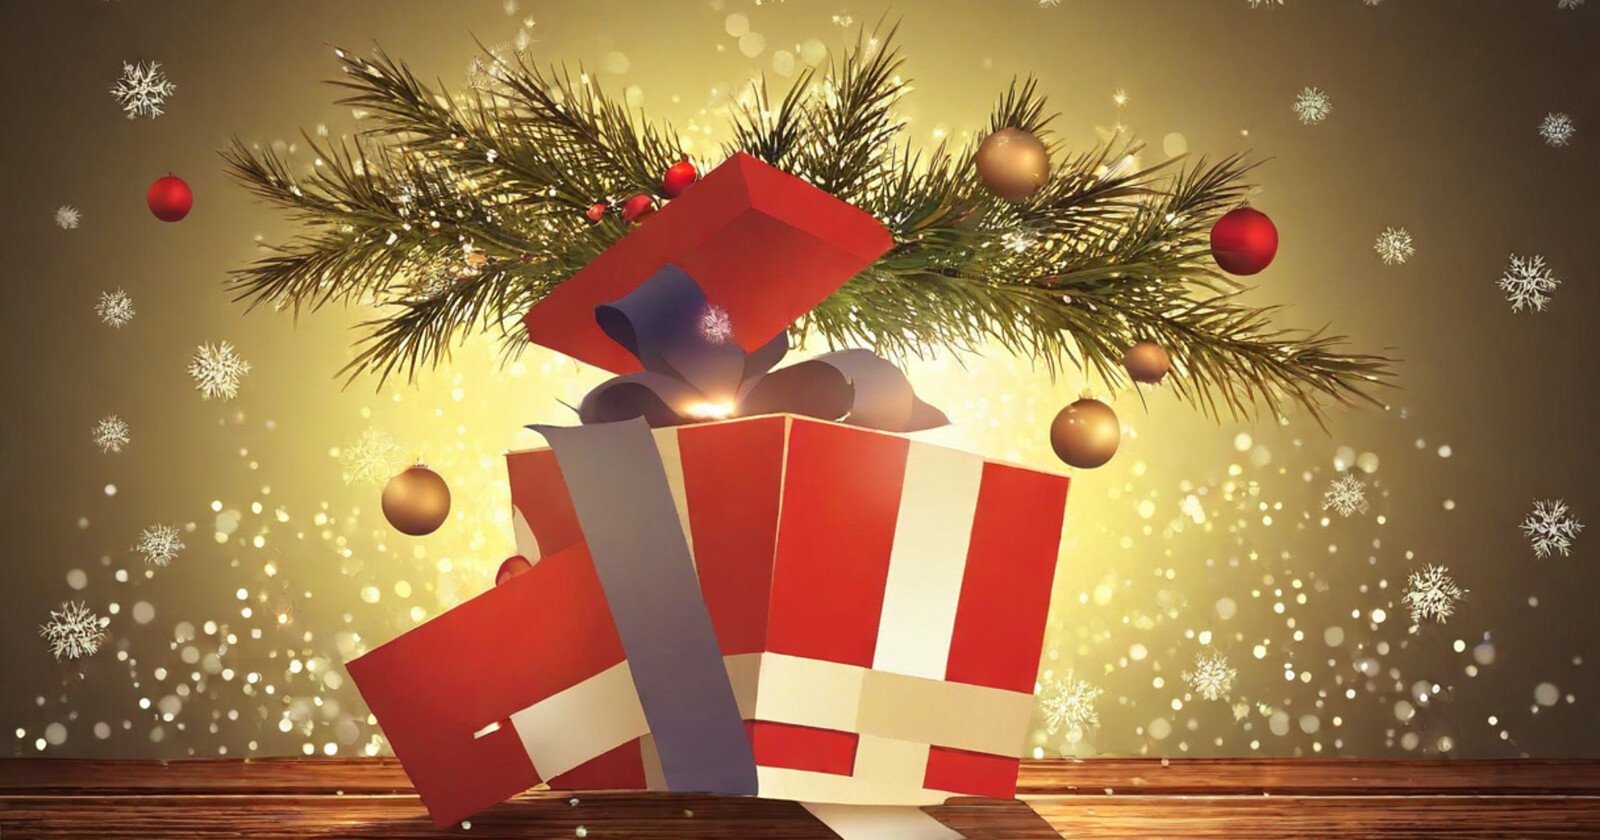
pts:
pixel 880 605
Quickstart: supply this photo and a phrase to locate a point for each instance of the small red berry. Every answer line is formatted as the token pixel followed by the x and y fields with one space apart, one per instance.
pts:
pixel 596 211
pixel 679 177
pixel 638 208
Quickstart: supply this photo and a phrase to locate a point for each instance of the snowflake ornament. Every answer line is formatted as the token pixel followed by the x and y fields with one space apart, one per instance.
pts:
pixel 217 370
pixel 715 325
pixel 111 434
pixel 1432 595
pixel 1264 4
pixel 1394 246
pixel 1557 129
pixel 1551 528
pixel 142 89
pixel 1346 496
pixel 73 631
pixel 1068 705
pixel 1528 283
pixel 159 544
pixel 1312 105
pixel 1212 678
pixel 373 459
pixel 1568 4
pixel 115 309
pixel 68 217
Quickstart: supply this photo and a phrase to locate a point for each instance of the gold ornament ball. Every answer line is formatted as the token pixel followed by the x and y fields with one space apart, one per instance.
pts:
pixel 1147 362
pixel 1085 434
pixel 1013 163
pixel 416 501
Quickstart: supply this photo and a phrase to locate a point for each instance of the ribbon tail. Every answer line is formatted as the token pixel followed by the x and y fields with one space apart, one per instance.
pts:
pixel 619 490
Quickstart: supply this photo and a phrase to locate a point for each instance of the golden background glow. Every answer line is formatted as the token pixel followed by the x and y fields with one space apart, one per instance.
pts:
pixel 1197 536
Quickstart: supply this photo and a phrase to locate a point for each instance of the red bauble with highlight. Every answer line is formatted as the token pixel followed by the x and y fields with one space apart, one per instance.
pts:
pixel 679 177
pixel 170 198
pixel 1244 241
pixel 513 566
pixel 638 208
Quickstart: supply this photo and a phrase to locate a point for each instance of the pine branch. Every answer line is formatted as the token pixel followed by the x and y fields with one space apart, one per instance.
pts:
pixel 454 214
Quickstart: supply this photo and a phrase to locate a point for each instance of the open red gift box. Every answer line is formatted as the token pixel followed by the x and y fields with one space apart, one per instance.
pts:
pixel 879 603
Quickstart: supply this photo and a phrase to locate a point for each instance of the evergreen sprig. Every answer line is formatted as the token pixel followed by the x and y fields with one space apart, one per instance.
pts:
pixel 455 214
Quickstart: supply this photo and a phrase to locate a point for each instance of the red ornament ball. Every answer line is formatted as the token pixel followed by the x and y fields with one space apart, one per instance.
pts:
pixel 638 208
pixel 170 198
pixel 1244 241
pixel 679 177
pixel 596 211
pixel 512 567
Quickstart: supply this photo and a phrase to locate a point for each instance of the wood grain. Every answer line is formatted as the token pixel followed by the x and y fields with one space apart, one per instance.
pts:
pixel 1240 799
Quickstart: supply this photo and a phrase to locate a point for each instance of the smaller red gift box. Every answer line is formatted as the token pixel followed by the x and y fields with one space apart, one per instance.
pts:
pixel 879 602
pixel 764 246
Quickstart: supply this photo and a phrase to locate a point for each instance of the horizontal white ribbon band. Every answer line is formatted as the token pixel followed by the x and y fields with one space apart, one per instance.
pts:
pixel 577 724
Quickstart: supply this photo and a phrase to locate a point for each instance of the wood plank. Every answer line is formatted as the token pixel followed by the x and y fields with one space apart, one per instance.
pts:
pixel 1038 778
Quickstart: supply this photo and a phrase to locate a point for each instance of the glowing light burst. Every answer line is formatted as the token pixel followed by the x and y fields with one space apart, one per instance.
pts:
pixel 160 544
pixel 1528 283
pixel 73 631
pixel 1346 496
pixel 1312 105
pixel 1431 595
pixel 114 309
pixel 111 434
pixel 68 217
pixel 1557 129
pixel 715 325
pixel 1068 705
pixel 374 458
pixel 1551 528
pixel 216 371
pixel 1394 246
pixel 1212 677
pixel 142 89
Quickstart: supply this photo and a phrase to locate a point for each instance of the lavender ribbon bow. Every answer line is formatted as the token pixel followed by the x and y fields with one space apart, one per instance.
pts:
pixel 694 371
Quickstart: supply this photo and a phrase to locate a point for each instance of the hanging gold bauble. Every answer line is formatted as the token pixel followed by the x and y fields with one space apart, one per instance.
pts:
pixel 1147 362
pixel 1013 163
pixel 416 501
pixel 1085 434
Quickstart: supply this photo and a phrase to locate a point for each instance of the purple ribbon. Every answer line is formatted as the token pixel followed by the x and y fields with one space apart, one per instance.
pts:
pixel 694 371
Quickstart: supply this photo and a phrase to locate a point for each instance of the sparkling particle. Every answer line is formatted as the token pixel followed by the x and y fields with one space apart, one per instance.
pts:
pixel 111 434
pixel 160 544
pixel 1551 528
pixel 1346 496
pixel 1312 105
pixel 73 631
pixel 1394 246
pixel 1212 678
pixel 715 325
pixel 1557 129
pixel 1069 705
pixel 68 217
pixel 1432 595
pixel 1528 283
pixel 114 309
pixel 216 371
pixel 142 89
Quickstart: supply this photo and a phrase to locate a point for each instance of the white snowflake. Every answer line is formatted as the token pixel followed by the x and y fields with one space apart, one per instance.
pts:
pixel 715 325
pixel 1394 246
pixel 111 434
pixel 373 459
pixel 142 89
pixel 68 217
pixel 1068 705
pixel 1264 4
pixel 73 631
pixel 1557 129
pixel 1568 4
pixel 1551 528
pixel 159 544
pixel 1432 595
pixel 114 308
pixel 217 370
pixel 1346 496
pixel 1528 283
pixel 1312 105
pixel 1212 678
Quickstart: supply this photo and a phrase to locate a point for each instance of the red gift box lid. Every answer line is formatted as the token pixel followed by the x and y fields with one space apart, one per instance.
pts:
pixel 764 245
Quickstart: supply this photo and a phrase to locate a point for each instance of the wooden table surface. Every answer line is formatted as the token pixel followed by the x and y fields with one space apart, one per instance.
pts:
pixel 1240 799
